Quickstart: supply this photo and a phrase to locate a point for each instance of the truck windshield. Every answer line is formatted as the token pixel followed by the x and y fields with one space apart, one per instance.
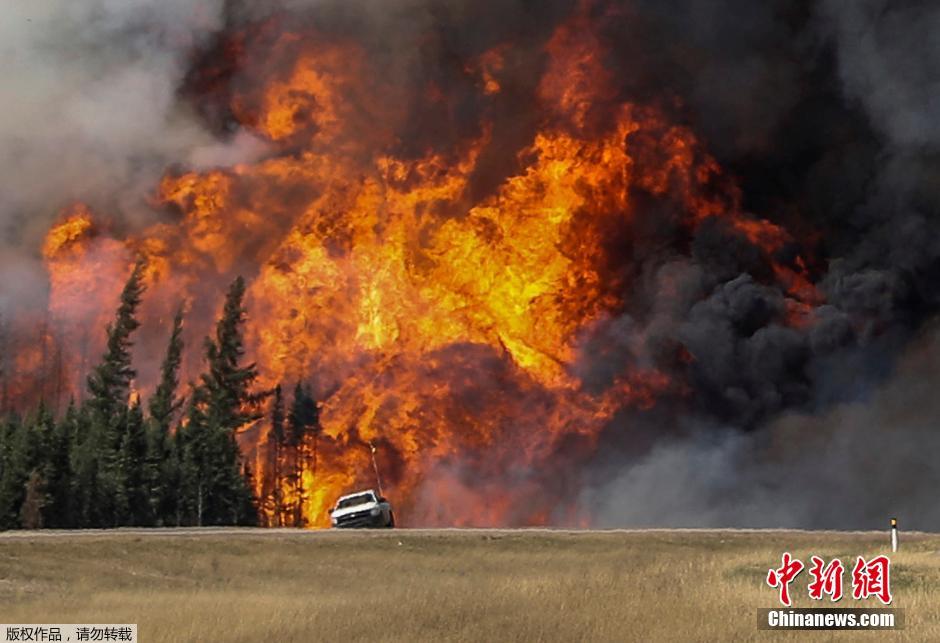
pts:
pixel 352 501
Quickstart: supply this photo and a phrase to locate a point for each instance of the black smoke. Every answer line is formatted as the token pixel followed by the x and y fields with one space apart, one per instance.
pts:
pixel 826 113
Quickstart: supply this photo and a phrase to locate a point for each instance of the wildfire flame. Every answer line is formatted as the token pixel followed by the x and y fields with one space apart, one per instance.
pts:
pixel 441 327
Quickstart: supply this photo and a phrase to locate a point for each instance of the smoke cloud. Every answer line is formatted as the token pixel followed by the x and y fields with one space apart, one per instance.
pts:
pixel 91 112
pixel 889 60
pixel 851 467
pixel 824 109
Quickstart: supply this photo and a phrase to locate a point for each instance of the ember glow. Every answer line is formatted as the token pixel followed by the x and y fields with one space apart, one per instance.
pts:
pixel 442 323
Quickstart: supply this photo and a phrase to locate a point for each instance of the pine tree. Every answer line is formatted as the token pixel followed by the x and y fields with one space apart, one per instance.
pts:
pixel 174 513
pixel 109 386
pixel 276 446
pixel 18 460
pixel 5 352
pixel 164 405
pixel 59 510
pixel 110 382
pixel 162 467
pixel 232 405
pixel 167 507
pixel 136 506
pixel 8 427
pixel 303 423
pixel 196 475
pixel 27 446
pixel 115 503
pixel 56 468
pixel 248 512
pixel 215 486
pixel 84 490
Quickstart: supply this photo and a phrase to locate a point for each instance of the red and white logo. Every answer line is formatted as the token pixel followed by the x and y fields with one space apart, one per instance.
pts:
pixel 870 578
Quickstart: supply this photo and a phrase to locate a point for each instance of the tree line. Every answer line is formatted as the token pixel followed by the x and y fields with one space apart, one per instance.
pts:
pixel 113 461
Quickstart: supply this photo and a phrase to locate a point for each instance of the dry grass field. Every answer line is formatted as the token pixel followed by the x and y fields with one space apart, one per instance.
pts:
pixel 441 585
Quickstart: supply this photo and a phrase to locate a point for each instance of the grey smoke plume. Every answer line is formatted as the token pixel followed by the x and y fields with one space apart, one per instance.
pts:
pixel 851 467
pixel 889 59
pixel 89 111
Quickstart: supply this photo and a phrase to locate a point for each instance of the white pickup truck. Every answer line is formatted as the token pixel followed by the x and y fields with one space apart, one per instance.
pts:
pixel 362 509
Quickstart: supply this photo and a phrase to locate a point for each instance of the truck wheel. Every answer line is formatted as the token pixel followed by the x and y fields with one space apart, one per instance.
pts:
pixel 391 520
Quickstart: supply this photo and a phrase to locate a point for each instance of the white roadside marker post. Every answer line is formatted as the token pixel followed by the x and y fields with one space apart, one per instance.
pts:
pixel 375 466
pixel 894 534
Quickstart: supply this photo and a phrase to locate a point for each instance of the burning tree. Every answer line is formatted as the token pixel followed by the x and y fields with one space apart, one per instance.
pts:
pixel 292 454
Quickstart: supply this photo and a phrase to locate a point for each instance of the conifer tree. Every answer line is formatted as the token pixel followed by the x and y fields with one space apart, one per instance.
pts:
pixel 8 428
pixel 274 505
pixel 248 512
pixel 4 366
pixel 19 459
pixel 302 422
pixel 164 404
pixel 24 466
pixel 84 490
pixel 165 478
pixel 223 403
pixel 197 477
pixel 56 469
pixel 109 386
pixel 110 381
pixel 174 511
pixel 133 453
pixel 162 468
pixel 60 509
pixel 228 382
